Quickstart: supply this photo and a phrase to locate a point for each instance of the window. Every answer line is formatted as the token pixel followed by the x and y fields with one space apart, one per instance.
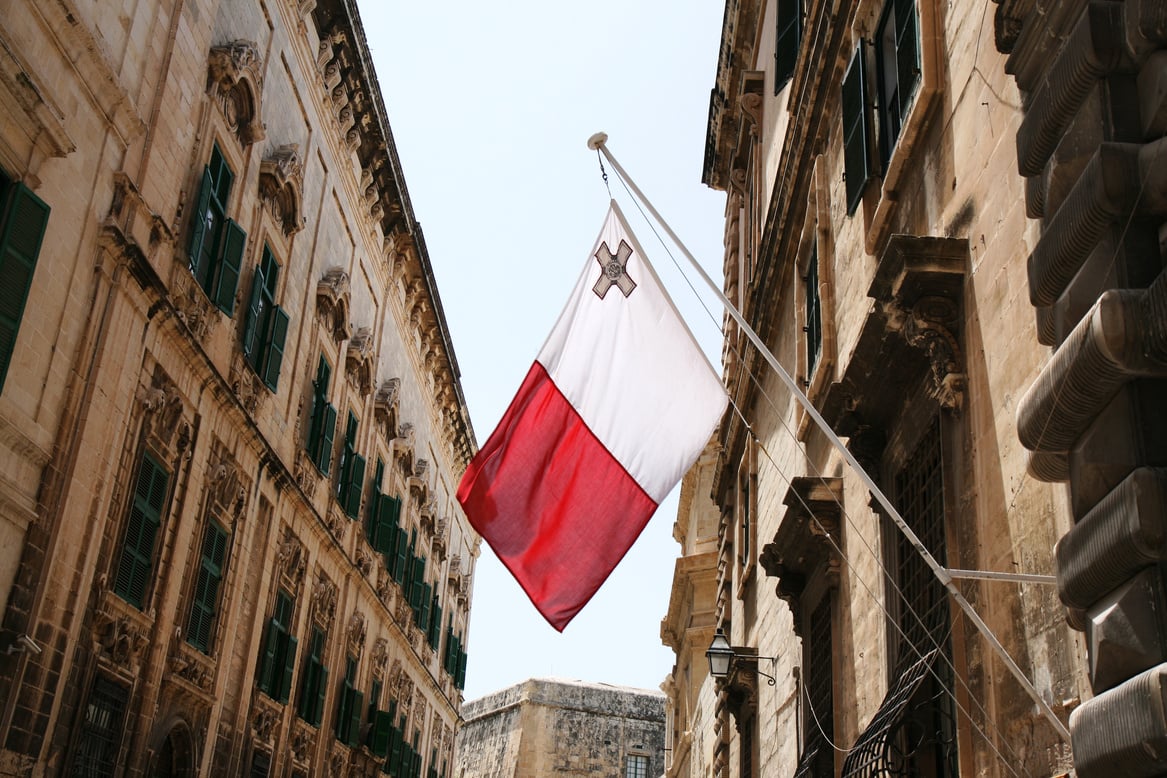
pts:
pixel 383 735
pixel 23 217
pixel 856 129
pixel 266 325
pixel 384 519
pixel 789 18
pixel 433 633
pixel 323 425
pixel 814 316
pixel 352 471
pixel 314 685
pixel 817 758
pixel 101 729
pixel 260 765
pixel 350 707
pixel 636 766
pixel 206 593
pixel 897 66
pixel 135 566
pixel 278 657
pixel 216 242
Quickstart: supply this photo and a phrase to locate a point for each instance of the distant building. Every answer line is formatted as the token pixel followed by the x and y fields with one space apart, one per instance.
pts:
pixel 548 727
pixel 231 419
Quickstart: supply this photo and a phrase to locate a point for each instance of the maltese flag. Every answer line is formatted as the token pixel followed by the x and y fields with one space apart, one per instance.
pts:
pixel 619 404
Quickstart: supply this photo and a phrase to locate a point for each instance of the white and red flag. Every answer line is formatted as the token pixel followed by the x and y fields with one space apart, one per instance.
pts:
pixel 618 405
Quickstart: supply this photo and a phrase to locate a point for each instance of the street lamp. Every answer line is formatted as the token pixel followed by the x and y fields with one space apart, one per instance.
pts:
pixel 721 658
pixel 720 655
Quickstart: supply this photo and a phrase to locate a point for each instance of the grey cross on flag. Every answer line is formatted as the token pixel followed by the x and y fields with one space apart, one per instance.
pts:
pixel 614 272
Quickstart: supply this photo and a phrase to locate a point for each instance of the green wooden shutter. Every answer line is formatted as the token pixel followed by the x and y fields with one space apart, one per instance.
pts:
pixel 206 594
pixel 423 613
pixel 196 247
pixel 356 483
pixel 274 351
pixel 789 16
pixel 356 705
pixel 382 729
pixel 134 566
pixel 24 219
pixel 230 263
pixel 253 320
pixel 343 713
pixel 856 132
pixel 321 693
pixel 907 54
pixel 265 675
pixel 383 533
pixel 284 689
pixel 327 431
pixel 460 676
pixel 415 589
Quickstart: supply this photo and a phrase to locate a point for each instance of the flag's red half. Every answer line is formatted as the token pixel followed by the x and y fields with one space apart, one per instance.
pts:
pixel 557 508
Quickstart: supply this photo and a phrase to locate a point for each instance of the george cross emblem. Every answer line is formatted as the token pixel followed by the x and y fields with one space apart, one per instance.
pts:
pixel 613 270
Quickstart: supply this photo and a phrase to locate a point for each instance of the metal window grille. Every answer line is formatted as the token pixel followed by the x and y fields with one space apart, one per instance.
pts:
pixel 101 730
pixel 820 721
pixel 636 766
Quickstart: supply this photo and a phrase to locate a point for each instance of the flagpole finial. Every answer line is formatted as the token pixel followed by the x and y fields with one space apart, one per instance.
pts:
pixel 597 140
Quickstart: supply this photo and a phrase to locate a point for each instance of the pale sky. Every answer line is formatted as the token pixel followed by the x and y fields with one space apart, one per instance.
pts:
pixel 491 107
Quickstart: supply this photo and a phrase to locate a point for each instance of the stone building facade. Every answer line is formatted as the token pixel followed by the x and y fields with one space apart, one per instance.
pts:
pixel 550 727
pixel 945 220
pixel 231 419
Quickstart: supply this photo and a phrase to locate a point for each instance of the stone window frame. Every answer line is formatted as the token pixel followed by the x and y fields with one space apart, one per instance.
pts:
pixel 879 202
pixel 816 236
pixel 746 516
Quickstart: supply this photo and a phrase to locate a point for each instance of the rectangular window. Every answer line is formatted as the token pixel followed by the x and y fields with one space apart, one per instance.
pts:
pixel 23 217
pixel 814 312
pixel 789 18
pixel 323 424
pixel 136 562
pixel 817 760
pixel 260 764
pixel 101 729
pixel 636 766
pixel 856 129
pixel 206 594
pixel 265 327
pixel 352 471
pixel 350 707
pixel 897 65
pixel 277 660
pixel 216 242
pixel 382 734
pixel 314 684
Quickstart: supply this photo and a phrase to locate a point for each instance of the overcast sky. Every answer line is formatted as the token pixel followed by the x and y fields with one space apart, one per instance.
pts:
pixel 491 107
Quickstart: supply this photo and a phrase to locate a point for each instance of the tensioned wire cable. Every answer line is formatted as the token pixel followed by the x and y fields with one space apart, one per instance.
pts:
pixel 877 557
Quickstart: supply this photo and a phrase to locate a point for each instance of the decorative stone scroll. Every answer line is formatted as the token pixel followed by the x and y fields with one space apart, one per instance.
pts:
pixel 323 601
pixel 385 407
pixel 332 304
pixel 163 417
pixel 359 362
pixel 357 631
pixel 235 80
pixel 281 187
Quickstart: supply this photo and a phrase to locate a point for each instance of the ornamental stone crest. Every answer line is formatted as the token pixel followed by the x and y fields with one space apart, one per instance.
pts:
pixel 281 184
pixel 235 79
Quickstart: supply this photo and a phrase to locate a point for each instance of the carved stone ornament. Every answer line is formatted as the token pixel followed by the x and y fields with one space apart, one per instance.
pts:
pixel 191 305
pixel 235 80
pixel 385 407
pixel 281 187
pixel 265 717
pixel 191 666
pixel 363 563
pixel 336 522
pixel 119 638
pixel 302 741
pixel 228 492
pixel 385 589
pixel 324 602
pixel 339 761
pixel 380 658
pixel 246 385
pixel 162 416
pixel 306 474
pixel 403 448
pixel 395 678
pixel 291 560
pixel 358 361
pixel 332 304
pixel 929 326
pixel 357 630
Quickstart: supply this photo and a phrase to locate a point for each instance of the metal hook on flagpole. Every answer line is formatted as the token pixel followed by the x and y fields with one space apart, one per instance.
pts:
pixel 594 143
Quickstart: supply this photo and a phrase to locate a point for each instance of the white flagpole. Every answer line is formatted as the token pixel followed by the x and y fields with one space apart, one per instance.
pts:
pixel 598 143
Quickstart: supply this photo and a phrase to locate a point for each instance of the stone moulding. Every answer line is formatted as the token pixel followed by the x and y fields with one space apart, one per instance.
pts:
pixel 235 80
pixel 332 303
pixel 281 186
